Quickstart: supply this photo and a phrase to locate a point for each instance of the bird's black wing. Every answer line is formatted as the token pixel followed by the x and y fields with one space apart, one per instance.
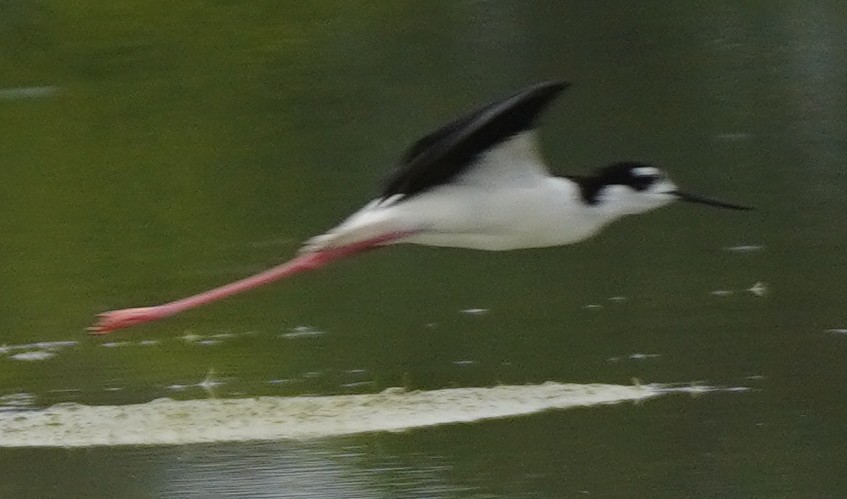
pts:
pixel 443 154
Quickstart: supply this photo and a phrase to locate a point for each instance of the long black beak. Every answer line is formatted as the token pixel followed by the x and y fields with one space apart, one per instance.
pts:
pixel 691 198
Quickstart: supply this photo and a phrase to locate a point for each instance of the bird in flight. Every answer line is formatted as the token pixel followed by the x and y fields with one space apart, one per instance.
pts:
pixel 478 182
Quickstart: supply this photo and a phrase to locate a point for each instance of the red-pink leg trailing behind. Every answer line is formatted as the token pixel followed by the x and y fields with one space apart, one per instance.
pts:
pixel 120 319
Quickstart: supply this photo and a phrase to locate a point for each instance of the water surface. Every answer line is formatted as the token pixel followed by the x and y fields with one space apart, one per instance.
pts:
pixel 159 149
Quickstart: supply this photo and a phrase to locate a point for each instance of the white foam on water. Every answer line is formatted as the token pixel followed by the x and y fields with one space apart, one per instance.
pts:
pixel 171 422
pixel 33 356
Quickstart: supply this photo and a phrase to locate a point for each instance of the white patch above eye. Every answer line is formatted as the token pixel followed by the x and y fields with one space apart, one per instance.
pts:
pixel 646 171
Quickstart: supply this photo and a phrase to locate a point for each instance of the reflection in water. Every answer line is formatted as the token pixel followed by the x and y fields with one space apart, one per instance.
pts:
pixel 14 401
pixel 295 470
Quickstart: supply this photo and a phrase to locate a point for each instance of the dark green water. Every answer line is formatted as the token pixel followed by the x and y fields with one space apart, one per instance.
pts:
pixel 156 150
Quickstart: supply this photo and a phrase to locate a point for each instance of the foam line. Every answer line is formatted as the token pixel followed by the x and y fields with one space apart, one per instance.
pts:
pixel 171 422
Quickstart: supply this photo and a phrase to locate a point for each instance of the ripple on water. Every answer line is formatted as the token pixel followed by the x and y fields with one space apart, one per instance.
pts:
pixel 122 344
pixel 41 350
pixel 301 332
pixel 634 356
pixel 20 93
pixel 116 344
pixel 359 384
pixel 745 248
pixel 40 345
pixel 759 289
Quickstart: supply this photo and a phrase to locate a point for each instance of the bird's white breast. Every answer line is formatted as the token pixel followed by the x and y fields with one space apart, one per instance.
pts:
pixel 547 213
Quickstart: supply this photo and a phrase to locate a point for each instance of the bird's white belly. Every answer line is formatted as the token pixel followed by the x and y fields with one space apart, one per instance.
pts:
pixel 500 219
pixel 548 212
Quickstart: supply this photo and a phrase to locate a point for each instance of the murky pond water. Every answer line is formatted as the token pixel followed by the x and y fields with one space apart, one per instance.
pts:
pixel 156 150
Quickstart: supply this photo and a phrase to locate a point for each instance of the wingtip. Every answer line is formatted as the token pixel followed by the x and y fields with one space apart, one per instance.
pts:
pixel 548 90
pixel 543 91
pixel 552 85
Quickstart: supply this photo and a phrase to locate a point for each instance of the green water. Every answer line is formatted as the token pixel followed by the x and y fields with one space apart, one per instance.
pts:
pixel 153 150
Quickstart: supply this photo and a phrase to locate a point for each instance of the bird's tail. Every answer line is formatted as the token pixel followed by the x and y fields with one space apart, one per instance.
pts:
pixel 318 243
pixel 365 225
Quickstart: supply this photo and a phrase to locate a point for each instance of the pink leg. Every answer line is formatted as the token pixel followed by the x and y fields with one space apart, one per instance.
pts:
pixel 120 319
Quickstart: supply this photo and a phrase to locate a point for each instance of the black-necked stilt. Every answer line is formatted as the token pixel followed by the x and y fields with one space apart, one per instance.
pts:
pixel 478 182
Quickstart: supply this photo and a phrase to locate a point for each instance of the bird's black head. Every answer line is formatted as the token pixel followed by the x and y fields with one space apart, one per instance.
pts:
pixel 626 187
pixel 639 177
pixel 630 187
